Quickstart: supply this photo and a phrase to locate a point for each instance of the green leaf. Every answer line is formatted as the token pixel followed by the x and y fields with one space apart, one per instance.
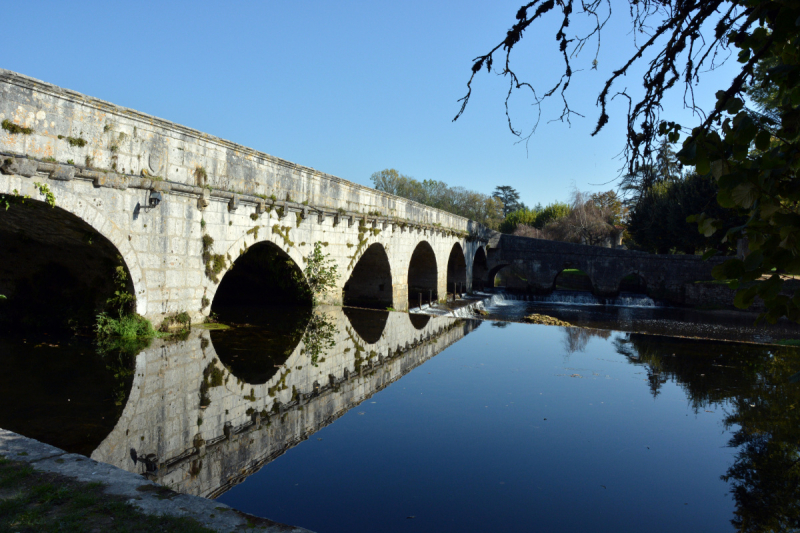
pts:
pixel 734 105
pixel 702 166
pixel 744 297
pixel 744 194
pixel 719 168
pixel 753 260
pixel 763 139
pixel 744 56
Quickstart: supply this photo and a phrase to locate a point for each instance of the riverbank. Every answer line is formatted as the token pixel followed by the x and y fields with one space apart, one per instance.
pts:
pixel 44 488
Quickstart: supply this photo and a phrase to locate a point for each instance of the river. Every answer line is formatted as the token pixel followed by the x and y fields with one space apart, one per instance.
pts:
pixel 348 420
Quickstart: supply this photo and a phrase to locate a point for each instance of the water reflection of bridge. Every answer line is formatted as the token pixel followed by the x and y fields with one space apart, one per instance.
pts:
pixel 192 425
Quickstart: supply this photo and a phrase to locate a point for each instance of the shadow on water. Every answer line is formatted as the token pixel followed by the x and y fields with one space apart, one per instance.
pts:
pixel 68 394
pixel 369 324
pixel 260 339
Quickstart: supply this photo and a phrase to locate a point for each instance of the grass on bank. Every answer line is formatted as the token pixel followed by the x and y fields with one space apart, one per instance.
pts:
pixel 127 326
pixel 32 501
pixel 788 342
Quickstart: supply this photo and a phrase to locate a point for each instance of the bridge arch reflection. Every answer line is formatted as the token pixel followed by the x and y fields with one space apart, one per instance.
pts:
pixel 368 324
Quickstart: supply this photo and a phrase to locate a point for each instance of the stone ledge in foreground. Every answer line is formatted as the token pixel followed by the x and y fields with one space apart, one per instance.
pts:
pixel 148 497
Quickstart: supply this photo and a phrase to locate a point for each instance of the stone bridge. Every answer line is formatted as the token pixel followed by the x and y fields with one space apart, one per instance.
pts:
pixel 534 265
pixel 179 208
pixel 105 165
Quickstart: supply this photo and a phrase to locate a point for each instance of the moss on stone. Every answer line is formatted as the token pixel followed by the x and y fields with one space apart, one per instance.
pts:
pixel 15 129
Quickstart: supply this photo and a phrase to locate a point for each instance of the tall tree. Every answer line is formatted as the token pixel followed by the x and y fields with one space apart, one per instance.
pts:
pixel 509 196
pixel 679 40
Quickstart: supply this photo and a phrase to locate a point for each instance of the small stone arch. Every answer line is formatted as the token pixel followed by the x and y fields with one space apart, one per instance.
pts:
pixel 633 281
pixel 492 273
pixel 456 269
pixel 239 248
pixel 370 281
pixel 572 278
pixel 423 274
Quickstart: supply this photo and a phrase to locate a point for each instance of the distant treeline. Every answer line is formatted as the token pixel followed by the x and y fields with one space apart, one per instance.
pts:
pixel 457 200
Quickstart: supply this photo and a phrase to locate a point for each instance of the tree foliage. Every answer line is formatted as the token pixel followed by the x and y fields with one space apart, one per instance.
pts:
pixel 457 200
pixel 537 217
pixel 657 221
pixel 320 273
pixel 510 198
pixel 753 156
pixel 592 219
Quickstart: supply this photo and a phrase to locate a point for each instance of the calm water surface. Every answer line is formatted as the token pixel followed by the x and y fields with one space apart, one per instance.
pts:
pixel 353 420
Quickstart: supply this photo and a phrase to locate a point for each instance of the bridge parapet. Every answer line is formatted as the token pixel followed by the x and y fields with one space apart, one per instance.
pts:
pixel 126 144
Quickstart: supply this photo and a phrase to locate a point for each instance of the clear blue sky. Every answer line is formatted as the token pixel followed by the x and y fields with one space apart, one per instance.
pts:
pixel 347 87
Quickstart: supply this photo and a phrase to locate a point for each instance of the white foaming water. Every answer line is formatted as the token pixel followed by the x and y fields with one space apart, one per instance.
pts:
pixel 579 298
pixel 489 301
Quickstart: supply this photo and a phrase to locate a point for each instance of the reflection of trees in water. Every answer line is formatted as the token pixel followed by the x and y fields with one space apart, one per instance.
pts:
pixel 765 476
pixel 576 339
pixel 753 382
pixel 500 324
pixel 707 371
pixel 318 337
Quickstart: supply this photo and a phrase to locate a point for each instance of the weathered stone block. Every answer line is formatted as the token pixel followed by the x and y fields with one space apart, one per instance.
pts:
pixel 63 173
pixel 19 166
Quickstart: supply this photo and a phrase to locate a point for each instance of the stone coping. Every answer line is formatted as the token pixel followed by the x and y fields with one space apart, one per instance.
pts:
pixel 145 495
pixel 14 164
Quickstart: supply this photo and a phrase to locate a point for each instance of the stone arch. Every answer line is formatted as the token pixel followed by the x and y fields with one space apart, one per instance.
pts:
pixel 423 274
pixel 492 273
pixel 573 278
pixel 76 244
pixel 456 269
pixel 480 269
pixel 240 247
pixel 633 281
pixel 266 274
pixel 370 282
